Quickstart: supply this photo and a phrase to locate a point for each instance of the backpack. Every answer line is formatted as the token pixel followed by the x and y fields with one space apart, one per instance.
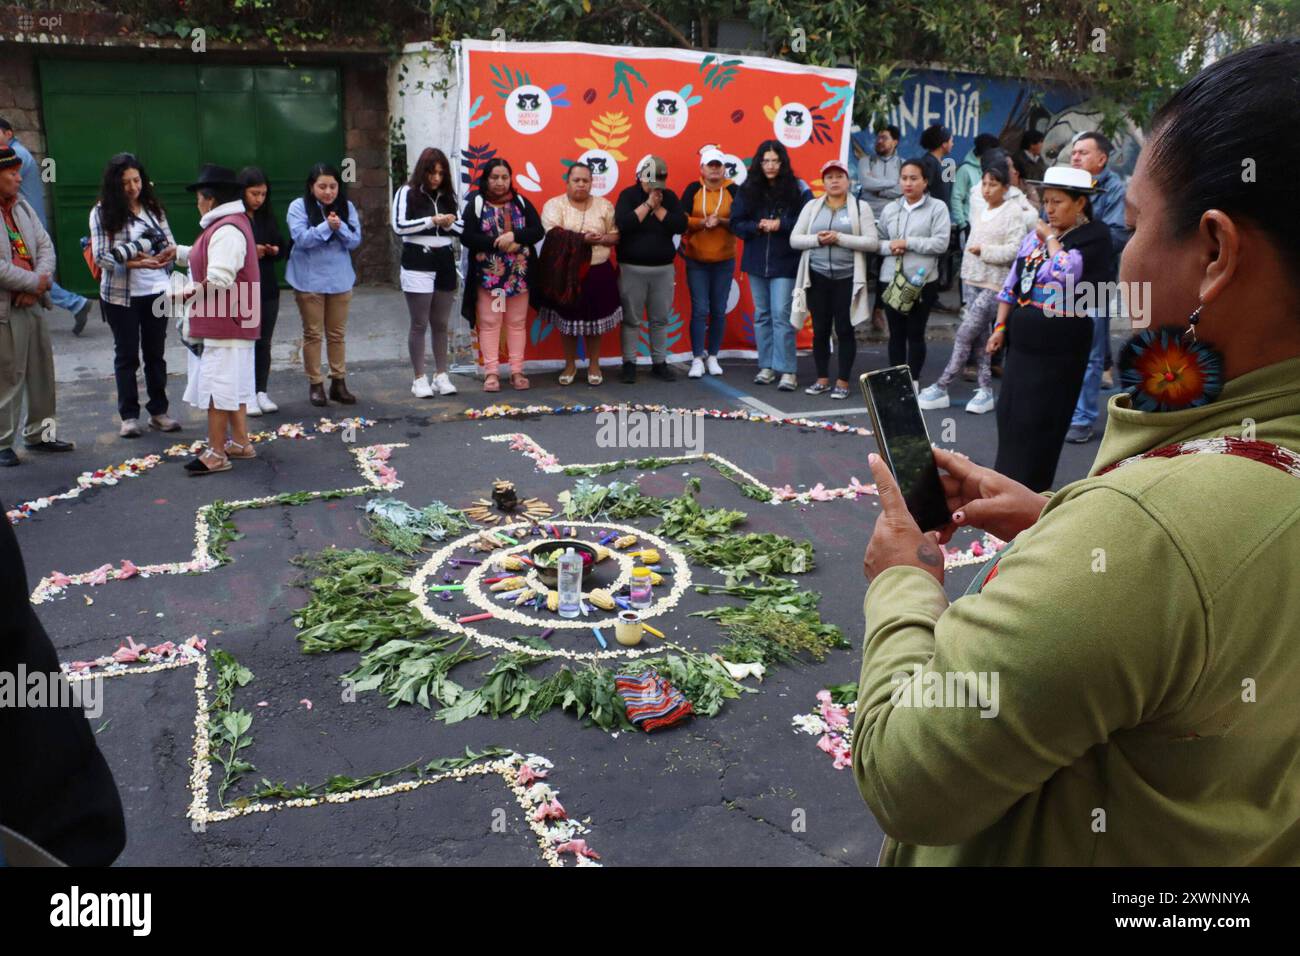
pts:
pixel 88 253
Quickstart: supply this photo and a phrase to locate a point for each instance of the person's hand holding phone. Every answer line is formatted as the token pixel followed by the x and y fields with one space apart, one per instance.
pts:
pixel 980 497
pixel 897 539
pixel 334 221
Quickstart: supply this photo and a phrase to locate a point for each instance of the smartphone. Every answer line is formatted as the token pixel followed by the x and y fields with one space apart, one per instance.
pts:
pixel 905 443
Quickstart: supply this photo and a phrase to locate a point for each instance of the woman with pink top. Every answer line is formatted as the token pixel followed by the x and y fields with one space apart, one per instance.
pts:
pixel 500 229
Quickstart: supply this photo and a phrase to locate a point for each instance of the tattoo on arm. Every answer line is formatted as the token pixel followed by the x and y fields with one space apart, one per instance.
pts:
pixel 928 553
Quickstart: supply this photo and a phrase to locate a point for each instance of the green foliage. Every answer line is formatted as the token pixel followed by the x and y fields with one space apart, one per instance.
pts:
pixel 404 528
pixel 686 520
pixel 228 734
pixel 843 693
pixel 413 672
pixel 616 501
pixel 359 601
pixel 764 555
pixel 340 783
pixel 779 626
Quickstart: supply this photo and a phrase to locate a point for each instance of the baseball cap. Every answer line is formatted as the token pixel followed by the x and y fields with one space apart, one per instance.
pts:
pixel 834 164
pixel 653 171
pixel 711 154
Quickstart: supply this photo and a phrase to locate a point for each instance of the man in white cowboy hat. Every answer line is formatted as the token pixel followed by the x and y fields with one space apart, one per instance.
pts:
pixel 1091 152
pixel 648 215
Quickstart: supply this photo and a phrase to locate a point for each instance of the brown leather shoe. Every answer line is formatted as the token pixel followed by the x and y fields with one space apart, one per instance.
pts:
pixel 339 392
pixel 317 395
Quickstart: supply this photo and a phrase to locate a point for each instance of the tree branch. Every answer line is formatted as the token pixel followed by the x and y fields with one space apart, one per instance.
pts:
pixel 672 31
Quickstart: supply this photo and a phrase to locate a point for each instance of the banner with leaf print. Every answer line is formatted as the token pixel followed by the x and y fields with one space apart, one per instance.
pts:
pixel 545 106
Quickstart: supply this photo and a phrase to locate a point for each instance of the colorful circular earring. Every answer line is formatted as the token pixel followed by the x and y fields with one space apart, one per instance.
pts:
pixel 1164 372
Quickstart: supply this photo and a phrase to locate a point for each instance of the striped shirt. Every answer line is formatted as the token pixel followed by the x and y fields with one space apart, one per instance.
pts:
pixel 115 277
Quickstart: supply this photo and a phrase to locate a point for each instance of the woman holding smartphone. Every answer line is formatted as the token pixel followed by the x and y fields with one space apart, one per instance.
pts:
pixel 424 215
pixel 325 229
pixel 1134 604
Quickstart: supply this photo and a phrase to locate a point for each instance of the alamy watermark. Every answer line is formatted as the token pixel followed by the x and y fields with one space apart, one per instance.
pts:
pixel 1097 298
pixel 924 688
pixel 632 428
pixel 35 689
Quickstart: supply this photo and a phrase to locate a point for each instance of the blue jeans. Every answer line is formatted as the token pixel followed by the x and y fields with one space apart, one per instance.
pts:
pixel 65 299
pixel 709 283
pixel 774 336
pixel 1086 411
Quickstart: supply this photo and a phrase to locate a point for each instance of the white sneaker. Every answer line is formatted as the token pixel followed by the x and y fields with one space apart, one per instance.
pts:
pixel 420 388
pixel 788 382
pixel 765 376
pixel 442 382
pixel 252 409
pixel 265 404
pixel 933 397
pixel 713 366
pixel 697 368
pixel 982 402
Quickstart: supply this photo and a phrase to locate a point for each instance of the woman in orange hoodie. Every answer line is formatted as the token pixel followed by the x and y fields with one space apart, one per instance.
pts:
pixel 709 248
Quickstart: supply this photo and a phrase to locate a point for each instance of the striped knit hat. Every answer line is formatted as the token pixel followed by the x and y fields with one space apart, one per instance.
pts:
pixel 8 157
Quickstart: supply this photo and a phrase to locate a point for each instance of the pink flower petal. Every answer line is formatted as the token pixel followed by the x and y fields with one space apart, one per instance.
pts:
pixel 578 848
pixel 306 703
pixel 128 570
pixel 550 811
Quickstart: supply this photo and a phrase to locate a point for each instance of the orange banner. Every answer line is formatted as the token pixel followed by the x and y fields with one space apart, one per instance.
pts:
pixel 544 106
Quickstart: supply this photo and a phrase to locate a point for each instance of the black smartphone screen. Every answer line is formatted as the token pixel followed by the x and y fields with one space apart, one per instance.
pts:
pixel 905 444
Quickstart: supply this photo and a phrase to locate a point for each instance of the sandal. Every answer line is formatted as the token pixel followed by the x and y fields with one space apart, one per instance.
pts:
pixel 566 378
pixel 235 450
pixel 491 382
pixel 594 378
pixel 200 466
pixel 518 382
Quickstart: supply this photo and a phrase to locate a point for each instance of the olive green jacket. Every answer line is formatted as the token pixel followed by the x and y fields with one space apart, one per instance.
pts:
pixel 1145 636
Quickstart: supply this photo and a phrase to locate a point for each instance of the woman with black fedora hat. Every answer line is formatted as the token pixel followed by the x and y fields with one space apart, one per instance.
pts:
pixel 1047 338
pixel 222 319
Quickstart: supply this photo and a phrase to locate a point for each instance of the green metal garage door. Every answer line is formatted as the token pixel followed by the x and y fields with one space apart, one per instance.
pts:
pixel 176 117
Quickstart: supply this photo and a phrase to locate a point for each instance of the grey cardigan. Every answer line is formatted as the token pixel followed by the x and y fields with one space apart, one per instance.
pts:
pixel 15 279
pixel 926 228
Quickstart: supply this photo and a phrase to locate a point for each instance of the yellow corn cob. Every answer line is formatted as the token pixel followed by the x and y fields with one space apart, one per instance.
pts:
pixel 626 541
pixel 601 599
pixel 512 562
pixel 526 595
pixel 509 584
pixel 656 578
pixel 648 556
pixel 552 600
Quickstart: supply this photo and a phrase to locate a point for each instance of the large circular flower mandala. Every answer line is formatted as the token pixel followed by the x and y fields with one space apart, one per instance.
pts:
pixel 570 635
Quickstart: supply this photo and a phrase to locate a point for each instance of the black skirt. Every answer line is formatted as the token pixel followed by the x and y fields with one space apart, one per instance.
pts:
pixel 1042 374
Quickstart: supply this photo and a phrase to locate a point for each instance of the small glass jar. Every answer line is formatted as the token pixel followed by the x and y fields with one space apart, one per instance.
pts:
pixel 642 595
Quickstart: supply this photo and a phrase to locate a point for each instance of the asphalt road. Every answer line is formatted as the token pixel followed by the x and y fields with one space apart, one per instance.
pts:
pixel 725 790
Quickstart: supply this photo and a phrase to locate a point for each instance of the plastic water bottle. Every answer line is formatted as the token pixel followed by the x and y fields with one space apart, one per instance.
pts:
pixel 918 280
pixel 569 583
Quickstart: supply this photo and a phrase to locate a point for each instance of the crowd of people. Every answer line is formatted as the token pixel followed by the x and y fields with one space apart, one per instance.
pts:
pixel 590 266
